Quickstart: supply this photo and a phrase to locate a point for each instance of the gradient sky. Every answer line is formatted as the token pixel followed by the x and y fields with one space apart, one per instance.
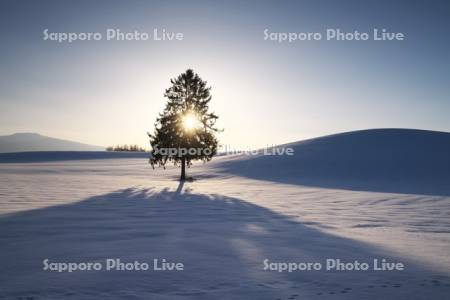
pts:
pixel 110 92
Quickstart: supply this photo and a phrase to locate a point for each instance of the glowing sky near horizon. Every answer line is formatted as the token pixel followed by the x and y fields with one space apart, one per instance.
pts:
pixel 110 92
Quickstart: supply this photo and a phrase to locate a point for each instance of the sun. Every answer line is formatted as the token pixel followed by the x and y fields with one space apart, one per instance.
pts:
pixel 190 121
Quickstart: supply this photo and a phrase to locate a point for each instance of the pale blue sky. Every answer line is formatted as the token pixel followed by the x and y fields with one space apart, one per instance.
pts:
pixel 109 92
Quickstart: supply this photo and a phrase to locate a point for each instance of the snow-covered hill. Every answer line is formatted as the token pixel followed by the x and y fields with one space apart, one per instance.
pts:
pixel 388 160
pixel 49 156
pixel 226 223
pixel 22 142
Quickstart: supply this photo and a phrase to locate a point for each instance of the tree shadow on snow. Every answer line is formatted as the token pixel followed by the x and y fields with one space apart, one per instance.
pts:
pixel 221 241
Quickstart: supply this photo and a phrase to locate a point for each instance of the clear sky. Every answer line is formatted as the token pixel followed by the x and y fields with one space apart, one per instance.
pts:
pixel 265 92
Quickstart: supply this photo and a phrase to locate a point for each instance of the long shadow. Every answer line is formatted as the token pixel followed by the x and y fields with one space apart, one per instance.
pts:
pixel 385 160
pixel 221 241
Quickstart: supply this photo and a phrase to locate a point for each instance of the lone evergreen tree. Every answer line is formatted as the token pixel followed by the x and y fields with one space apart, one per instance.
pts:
pixel 185 130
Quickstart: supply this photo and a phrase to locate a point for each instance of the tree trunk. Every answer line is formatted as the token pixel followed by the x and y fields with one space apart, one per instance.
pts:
pixel 183 169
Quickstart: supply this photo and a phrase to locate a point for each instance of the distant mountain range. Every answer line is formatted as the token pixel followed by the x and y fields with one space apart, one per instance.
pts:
pixel 24 142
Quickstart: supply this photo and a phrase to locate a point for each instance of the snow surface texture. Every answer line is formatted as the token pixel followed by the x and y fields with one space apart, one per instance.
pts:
pixel 239 211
